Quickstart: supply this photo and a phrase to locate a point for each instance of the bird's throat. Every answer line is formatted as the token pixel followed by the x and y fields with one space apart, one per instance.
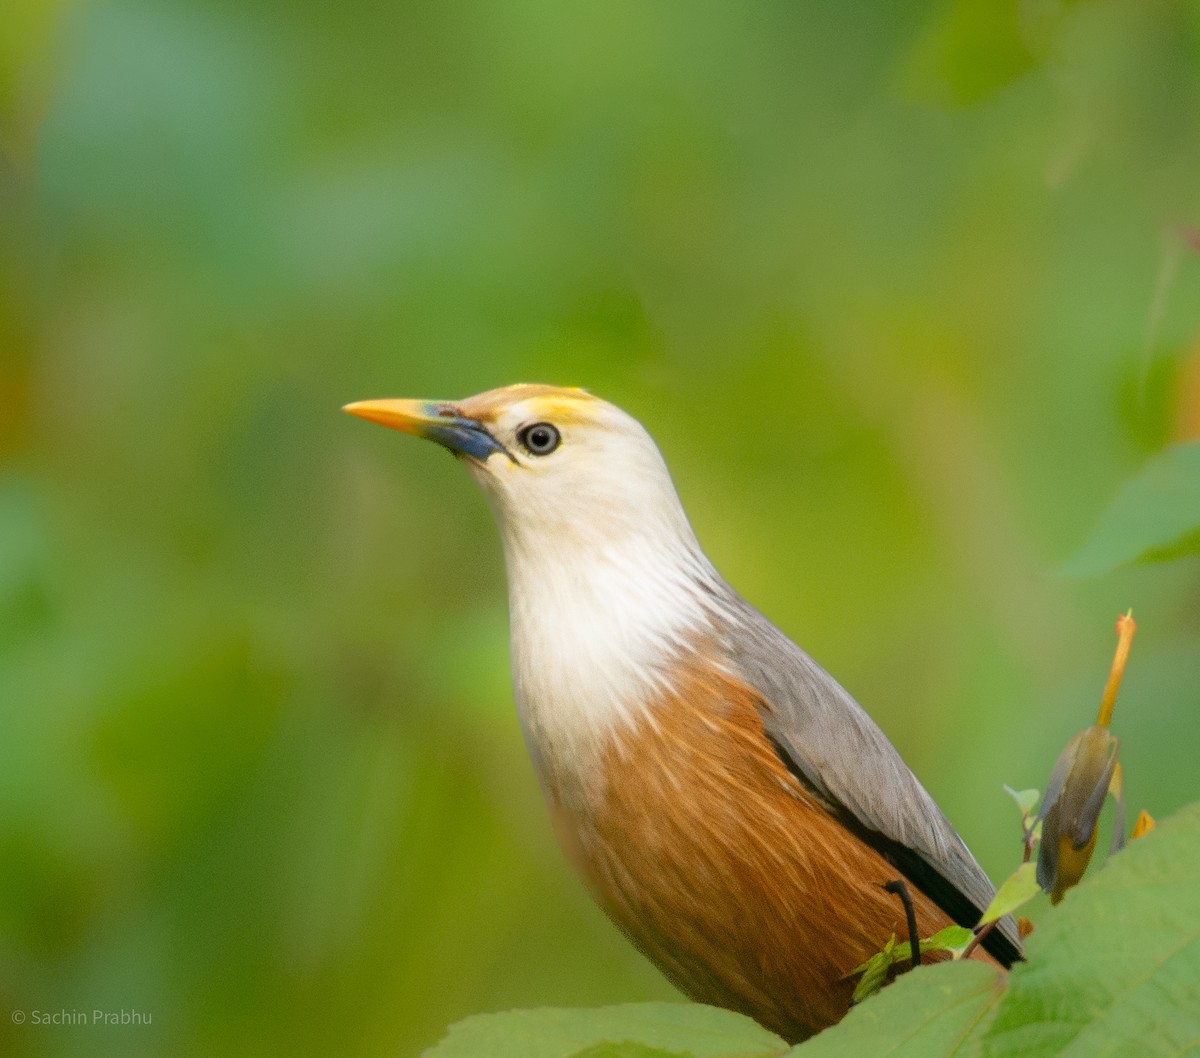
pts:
pixel 595 642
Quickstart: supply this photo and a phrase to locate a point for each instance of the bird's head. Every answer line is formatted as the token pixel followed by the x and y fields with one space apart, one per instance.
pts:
pixel 559 466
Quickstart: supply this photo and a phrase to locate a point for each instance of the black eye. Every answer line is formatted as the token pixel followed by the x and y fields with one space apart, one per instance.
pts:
pixel 540 439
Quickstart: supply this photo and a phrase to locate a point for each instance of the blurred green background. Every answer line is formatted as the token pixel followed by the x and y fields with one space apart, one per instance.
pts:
pixel 904 292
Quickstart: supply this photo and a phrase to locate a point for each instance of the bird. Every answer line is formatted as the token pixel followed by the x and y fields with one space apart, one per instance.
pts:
pixel 731 808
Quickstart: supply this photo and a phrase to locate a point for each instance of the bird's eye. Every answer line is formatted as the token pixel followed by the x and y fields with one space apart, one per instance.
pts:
pixel 540 439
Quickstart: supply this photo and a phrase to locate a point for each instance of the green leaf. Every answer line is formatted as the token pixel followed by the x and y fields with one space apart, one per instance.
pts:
pixel 1026 799
pixel 925 1012
pixel 950 938
pixel 874 972
pixel 1154 517
pixel 628 1050
pixel 691 1028
pixel 1116 969
pixel 1020 887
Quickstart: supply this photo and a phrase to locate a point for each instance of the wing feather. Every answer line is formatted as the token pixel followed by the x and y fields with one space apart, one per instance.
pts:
pixel 830 743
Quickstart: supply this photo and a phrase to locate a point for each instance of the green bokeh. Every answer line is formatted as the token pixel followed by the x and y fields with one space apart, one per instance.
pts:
pixel 904 292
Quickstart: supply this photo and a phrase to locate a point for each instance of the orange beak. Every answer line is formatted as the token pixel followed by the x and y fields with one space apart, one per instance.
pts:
pixel 410 416
pixel 434 420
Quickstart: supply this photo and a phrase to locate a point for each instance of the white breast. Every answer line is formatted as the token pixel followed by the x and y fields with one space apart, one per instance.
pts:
pixel 593 641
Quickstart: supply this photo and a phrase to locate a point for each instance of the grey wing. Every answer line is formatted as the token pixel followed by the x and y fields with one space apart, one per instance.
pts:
pixel 849 762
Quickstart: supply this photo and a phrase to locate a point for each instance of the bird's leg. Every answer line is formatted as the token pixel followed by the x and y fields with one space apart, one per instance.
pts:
pixel 899 888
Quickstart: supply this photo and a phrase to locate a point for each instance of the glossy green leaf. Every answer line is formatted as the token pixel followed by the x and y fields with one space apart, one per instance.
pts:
pixel 925 1012
pixel 703 1032
pixel 1155 516
pixel 951 938
pixel 1018 889
pixel 1116 969
pixel 628 1050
